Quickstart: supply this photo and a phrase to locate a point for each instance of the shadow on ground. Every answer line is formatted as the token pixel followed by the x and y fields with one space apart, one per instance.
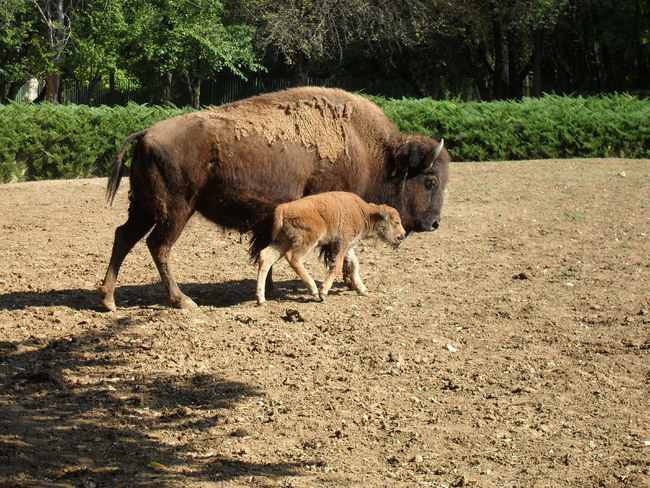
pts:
pixel 62 423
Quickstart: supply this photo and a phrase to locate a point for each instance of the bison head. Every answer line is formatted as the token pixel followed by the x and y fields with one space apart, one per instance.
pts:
pixel 389 225
pixel 422 167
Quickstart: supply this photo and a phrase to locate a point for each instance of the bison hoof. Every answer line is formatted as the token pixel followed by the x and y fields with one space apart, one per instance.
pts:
pixel 108 305
pixel 184 303
pixel 107 301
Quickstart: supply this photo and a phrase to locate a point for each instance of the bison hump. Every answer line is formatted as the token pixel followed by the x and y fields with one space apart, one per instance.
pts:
pixel 316 123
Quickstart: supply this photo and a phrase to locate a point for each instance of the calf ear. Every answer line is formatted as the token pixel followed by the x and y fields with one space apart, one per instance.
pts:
pixel 381 215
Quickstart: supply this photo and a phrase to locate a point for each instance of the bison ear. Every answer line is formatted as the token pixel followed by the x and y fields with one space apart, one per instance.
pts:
pixel 410 157
pixel 433 155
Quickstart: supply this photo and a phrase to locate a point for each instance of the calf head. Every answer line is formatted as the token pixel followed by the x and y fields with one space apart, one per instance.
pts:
pixel 422 167
pixel 389 225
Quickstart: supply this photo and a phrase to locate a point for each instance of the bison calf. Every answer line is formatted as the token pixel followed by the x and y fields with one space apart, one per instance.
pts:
pixel 334 219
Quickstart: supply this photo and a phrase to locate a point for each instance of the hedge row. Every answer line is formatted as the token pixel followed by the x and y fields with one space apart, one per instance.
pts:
pixel 45 141
pixel 550 127
pixel 48 141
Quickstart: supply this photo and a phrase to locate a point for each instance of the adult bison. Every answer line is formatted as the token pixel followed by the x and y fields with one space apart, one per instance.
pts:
pixel 235 163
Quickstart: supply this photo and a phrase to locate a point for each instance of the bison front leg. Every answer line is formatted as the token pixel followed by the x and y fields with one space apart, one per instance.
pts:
pixel 295 260
pixel 160 242
pixel 336 266
pixel 353 279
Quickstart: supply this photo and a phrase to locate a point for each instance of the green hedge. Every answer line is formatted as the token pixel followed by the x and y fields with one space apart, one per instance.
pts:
pixel 534 128
pixel 43 141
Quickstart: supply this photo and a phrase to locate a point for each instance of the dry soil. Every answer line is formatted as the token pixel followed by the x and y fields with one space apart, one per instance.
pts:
pixel 508 349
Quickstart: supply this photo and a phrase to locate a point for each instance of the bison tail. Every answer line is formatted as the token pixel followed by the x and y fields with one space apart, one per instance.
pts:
pixel 115 177
pixel 261 236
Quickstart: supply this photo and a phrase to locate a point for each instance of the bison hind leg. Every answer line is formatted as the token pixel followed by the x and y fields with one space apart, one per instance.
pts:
pixel 139 222
pixel 160 242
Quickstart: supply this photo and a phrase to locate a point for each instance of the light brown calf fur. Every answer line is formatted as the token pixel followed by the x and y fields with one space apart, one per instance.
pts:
pixel 335 219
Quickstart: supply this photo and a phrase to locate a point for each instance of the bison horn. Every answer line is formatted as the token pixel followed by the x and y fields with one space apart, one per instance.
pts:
pixel 436 152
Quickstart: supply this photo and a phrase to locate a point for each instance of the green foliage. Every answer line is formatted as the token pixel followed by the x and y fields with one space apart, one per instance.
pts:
pixel 189 39
pixel 44 141
pixel 533 128
pixel 21 53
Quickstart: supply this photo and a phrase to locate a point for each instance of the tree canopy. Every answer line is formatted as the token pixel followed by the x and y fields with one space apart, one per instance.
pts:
pixel 507 48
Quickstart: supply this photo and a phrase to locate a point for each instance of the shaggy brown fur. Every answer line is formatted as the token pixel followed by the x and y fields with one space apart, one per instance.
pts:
pixel 235 163
pixel 336 219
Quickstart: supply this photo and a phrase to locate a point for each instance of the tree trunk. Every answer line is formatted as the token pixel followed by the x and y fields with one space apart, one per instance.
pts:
pixel 14 88
pixel 515 87
pixel 52 88
pixel 498 60
pixel 194 87
pixel 92 86
pixel 298 76
pixel 479 74
pixel 11 92
pixel 111 89
pixel 538 46
pixel 60 94
pixel 165 88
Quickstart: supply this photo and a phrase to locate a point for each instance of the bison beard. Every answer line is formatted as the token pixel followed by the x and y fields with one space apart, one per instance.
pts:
pixel 234 164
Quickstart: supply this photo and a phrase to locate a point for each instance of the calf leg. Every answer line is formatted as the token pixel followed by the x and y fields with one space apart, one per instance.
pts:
pixel 160 242
pixel 351 264
pixel 295 260
pixel 336 266
pixel 268 257
pixel 126 236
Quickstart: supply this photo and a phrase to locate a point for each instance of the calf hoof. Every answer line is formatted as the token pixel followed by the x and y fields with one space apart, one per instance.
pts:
pixel 322 296
pixel 261 303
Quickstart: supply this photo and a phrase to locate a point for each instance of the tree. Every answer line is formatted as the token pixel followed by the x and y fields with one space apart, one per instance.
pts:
pixel 604 46
pixel 97 43
pixel 21 54
pixel 210 47
pixel 307 33
pixel 187 39
pixel 56 28
pixel 502 42
pixel 404 38
pixel 535 20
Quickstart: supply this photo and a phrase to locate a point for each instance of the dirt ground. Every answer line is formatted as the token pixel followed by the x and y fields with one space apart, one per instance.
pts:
pixel 508 349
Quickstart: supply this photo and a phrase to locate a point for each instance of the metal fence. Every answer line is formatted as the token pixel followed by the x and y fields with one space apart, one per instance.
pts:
pixel 228 90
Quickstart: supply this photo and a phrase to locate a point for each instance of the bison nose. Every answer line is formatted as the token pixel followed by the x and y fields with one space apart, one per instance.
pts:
pixel 435 225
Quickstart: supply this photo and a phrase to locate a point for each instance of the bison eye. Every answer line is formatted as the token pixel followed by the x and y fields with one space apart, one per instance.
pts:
pixel 431 184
